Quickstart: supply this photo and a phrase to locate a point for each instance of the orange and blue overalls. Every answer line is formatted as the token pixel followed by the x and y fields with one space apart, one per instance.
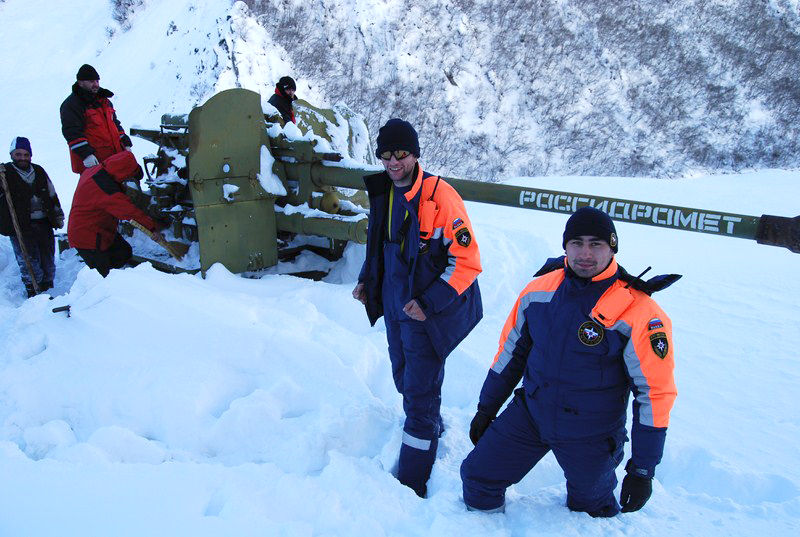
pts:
pixel 581 347
pixel 420 245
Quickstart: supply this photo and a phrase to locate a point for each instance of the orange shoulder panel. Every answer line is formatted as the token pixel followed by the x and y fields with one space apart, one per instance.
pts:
pixel 451 218
pixel 546 283
pixel 653 353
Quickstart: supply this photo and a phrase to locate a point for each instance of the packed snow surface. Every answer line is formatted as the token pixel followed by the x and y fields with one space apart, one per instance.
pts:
pixel 177 405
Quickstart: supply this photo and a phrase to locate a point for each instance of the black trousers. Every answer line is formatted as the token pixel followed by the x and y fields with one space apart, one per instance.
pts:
pixel 103 261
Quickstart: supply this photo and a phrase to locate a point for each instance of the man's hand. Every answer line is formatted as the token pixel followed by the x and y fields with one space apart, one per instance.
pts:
pixel 59 223
pixel 479 424
pixel 413 310
pixel 90 161
pixel 636 490
pixel 360 294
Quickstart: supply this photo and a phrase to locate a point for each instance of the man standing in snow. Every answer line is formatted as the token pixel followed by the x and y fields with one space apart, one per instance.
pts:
pixel 98 205
pixel 582 336
pixel 420 274
pixel 283 98
pixel 89 122
pixel 37 211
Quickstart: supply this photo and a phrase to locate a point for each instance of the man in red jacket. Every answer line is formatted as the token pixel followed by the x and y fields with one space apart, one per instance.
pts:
pixel 89 122
pixel 97 207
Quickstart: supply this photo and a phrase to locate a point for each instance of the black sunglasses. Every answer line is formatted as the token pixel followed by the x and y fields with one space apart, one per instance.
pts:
pixel 399 154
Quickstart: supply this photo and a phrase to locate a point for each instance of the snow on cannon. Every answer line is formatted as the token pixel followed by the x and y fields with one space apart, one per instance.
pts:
pixel 228 177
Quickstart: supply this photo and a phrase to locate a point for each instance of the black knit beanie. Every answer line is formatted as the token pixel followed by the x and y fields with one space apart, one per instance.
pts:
pixel 87 72
pixel 397 134
pixel 286 82
pixel 593 222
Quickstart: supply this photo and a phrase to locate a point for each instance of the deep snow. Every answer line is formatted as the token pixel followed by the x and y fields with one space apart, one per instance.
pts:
pixel 176 405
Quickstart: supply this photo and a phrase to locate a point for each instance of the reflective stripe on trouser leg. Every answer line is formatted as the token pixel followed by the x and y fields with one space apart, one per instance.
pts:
pixel 416 443
pixel 422 376
pixel 509 448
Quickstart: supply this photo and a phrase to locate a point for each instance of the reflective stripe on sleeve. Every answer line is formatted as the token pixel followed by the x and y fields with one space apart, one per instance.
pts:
pixel 634 366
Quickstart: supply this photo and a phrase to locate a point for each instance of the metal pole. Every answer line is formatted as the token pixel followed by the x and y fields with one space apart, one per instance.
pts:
pixel 17 229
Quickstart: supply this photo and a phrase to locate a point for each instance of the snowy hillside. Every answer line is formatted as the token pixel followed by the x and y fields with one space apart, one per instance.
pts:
pixel 497 89
pixel 175 405
pixel 579 87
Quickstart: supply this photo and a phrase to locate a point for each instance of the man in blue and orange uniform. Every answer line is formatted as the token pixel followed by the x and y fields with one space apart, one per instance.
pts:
pixel 420 274
pixel 98 205
pixel 582 336
pixel 89 122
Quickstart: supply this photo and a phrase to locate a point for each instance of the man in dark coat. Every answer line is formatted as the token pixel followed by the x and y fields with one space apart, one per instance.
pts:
pixel 283 97
pixel 89 122
pixel 38 212
pixel 98 205
pixel 420 273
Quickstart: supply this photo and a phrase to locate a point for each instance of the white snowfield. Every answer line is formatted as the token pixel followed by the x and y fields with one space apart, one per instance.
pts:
pixel 177 405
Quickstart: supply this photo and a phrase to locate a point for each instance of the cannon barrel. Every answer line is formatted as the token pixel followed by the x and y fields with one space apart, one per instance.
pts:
pixel 767 229
pixel 244 182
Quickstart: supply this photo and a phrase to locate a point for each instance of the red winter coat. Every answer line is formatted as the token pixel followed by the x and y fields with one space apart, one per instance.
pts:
pixel 99 203
pixel 90 126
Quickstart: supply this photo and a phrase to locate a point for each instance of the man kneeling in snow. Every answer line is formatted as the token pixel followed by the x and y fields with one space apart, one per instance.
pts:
pixel 582 336
pixel 98 205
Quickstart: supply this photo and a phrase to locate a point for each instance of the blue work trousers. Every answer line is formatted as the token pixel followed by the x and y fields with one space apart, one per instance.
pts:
pixel 40 245
pixel 512 446
pixel 418 375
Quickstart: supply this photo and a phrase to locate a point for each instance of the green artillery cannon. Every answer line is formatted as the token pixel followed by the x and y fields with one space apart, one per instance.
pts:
pixel 227 177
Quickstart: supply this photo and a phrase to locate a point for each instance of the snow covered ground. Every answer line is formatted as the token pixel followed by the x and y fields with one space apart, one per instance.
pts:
pixel 176 405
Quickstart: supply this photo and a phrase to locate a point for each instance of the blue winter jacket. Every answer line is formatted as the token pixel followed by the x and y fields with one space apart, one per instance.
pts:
pixel 581 347
pixel 440 253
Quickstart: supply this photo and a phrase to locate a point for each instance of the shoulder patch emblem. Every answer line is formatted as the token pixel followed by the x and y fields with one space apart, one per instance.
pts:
pixel 660 344
pixel 457 223
pixel 590 333
pixel 463 238
pixel 654 324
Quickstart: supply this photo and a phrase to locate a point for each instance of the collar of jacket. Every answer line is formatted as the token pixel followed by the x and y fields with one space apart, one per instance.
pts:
pixel 416 186
pixel 88 96
pixel 279 92
pixel 379 184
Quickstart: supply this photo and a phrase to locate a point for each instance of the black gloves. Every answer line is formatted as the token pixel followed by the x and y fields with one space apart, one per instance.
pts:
pixel 479 424
pixel 636 490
